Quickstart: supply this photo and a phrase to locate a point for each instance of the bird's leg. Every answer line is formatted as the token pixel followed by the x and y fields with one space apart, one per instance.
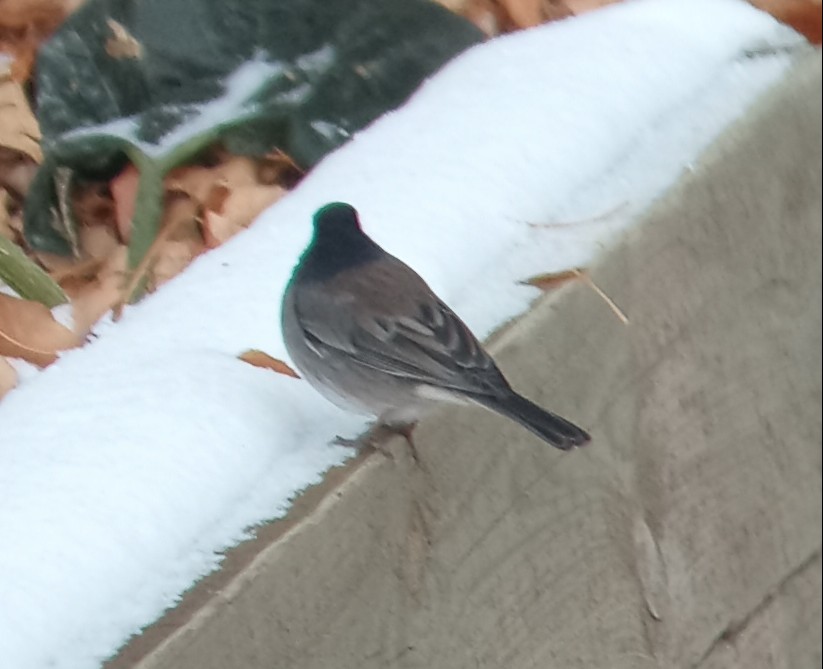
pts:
pixel 406 430
pixel 376 436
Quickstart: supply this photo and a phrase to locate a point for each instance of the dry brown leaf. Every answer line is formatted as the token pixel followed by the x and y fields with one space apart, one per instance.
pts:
pixel 501 16
pixel 67 268
pixel 239 209
pixel 90 300
pixel 178 243
pixel 54 263
pixel 237 171
pixel 92 204
pixel 122 44
pixel 523 13
pixel 123 190
pixel 8 229
pixel 171 257
pixel 197 181
pixel 279 168
pixel 181 218
pixel 19 129
pixel 97 242
pixel 29 331
pixel 17 171
pixel 217 197
pixel 456 6
pixel 21 13
pixel 486 15
pixel 805 16
pixel 583 6
pixel 204 206
pixel 8 377
pixel 551 280
pixel 25 24
pixel 230 195
pixel 555 10
pixel 245 203
pixel 217 229
pixel 258 358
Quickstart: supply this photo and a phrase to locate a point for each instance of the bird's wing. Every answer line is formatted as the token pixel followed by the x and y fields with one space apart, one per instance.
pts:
pixel 412 334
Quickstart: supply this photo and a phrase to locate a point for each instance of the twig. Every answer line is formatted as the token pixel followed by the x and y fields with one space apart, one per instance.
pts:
pixel 588 280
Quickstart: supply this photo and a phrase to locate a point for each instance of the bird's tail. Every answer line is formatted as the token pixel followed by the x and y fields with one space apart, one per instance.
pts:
pixel 550 427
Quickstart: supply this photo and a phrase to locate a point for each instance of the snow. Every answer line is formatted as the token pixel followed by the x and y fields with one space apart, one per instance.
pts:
pixel 129 465
pixel 236 101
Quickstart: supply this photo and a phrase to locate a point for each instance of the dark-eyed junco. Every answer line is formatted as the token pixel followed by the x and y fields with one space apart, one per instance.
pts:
pixel 368 333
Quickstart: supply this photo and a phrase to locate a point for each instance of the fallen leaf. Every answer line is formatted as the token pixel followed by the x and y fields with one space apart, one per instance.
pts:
pixel 171 257
pixel 8 376
pixel 456 6
pixel 486 15
pixel 523 13
pixel 552 280
pixel 17 171
pixel 204 206
pixel 583 6
pixel 180 218
pixel 19 129
pixel 239 209
pixel 92 204
pixel 555 10
pixel 28 331
pixel 805 16
pixel 245 203
pixel 9 228
pixel 217 229
pixel 62 268
pixel 217 197
pixel 258 358
pixel 279 168
pixel 24 25
pixel 178 243
pixel 97 241
pixel 197 181
pixel 122 43
pixel 91 299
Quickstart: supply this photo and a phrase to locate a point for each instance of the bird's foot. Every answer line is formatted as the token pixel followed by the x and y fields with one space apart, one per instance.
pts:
pixel 373 439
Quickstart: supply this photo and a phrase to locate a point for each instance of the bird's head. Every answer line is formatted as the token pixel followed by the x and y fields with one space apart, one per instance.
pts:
pixel 336 219
pixel 338 242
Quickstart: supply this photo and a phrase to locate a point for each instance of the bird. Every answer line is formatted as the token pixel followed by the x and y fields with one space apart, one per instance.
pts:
pixel 369 334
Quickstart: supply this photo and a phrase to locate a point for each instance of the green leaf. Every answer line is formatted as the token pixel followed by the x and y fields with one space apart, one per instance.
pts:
pixel 298 75
pixel 29 281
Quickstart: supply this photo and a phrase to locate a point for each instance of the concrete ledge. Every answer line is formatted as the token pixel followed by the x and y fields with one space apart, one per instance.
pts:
pixel 687 535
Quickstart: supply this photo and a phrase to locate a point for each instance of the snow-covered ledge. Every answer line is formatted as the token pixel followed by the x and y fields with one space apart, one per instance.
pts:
pixel 687 534
pixel 128 466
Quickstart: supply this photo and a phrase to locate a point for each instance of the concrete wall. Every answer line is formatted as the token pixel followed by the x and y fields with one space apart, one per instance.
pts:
pixel 687 534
